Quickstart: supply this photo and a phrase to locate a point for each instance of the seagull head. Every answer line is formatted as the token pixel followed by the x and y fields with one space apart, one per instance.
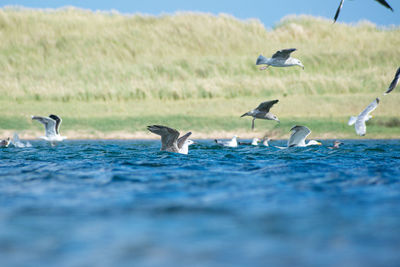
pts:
pixel 189 142
pixel 298 63
pixel 314 143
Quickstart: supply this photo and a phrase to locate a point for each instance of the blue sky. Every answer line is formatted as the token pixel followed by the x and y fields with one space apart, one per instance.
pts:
pixel 268 11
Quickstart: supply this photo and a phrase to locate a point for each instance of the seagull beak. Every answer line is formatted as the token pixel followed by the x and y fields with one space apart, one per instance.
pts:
pixel 302 66
pixel 319 143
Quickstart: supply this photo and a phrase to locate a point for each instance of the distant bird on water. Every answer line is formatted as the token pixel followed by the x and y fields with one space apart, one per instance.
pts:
pixel 359 121
pixel 280 59
pixel 52 128
pixel 382 2
pixel 169 139
pixel 5 142
pixel 336 145
pixel 262 112
pixel 254 142
pixel 298 137
pixel 231 143
pixel 394 83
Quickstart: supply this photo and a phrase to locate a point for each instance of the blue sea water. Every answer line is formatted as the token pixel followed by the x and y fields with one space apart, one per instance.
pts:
pixel 125 203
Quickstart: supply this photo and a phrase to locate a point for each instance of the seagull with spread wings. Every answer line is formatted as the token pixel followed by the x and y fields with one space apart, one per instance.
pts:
pixel 280 59
pixel 298 137
pixel 359 121
pixel 382 2
pixel 52 128
pixel 262 112
pixel 170 140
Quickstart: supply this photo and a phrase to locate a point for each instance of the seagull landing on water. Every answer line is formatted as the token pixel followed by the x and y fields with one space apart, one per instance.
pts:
pixel 5 142
pixel 298 137
pixel 394 83
pixel 382 2
pixel 262 112
pixel 280 59
pixel 52 128
pixel 170 140
pixel 230 143
pixel 359 121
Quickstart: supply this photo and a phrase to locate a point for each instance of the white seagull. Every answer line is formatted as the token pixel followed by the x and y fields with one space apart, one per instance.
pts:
pixel 52 128
pixel 298 137
pixel 280 59
pixel 169 139
pixel 230 143
pixel 359 121
pixel 394 83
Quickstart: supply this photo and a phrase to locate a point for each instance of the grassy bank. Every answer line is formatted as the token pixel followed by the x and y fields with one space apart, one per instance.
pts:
pixel 106 72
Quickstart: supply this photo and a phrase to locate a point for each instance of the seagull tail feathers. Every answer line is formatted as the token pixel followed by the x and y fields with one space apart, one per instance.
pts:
pixel 261 60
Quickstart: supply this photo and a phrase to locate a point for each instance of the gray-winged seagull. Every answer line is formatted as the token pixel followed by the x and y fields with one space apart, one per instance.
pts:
pixel 394 83
pixel 170 140
pixel 5 142
pixel 230 143
pixel 359 121
pixel 52 128
pixel 298 137
pixel 262 112
pixel 253 142
pixel 280 59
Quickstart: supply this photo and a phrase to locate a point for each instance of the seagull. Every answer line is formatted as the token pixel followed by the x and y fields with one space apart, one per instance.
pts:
pixel 262 112
pixel 17 142
pixel 52 128
pixel 382 2
pixel 254 142
pixel 5 142
pixel 230 143
pixel 298 137
pixel 280 59
pixel 364 116
pixel 169 139
pixel 336 145
pixel 394 83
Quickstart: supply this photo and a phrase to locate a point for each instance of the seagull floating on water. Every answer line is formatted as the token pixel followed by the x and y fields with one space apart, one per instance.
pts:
pixel 52 128
pixel 280 59
pixel 170 140
pixel 5 142
pixel 230 143
pixel 298 137
pixel 394 83
pixel 254 142
pixel 262 112
pixel 359 121
pixel 382 2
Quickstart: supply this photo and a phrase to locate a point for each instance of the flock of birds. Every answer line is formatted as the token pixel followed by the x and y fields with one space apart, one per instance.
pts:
pixel 170 140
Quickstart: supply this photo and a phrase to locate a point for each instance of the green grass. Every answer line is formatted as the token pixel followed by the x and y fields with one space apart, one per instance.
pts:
pixel 111 72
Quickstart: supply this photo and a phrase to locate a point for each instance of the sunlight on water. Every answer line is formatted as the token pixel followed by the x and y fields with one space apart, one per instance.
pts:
pixel 99 203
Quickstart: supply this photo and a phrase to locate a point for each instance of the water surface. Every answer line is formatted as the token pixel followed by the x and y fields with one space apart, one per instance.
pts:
pixel 125 203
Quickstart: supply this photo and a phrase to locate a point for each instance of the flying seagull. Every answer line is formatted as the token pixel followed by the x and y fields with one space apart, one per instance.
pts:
pixel 170 140
pixel 52 128
pixel 394 83
pixel 382 2
pixel 254 142
pixel 359 121
pixel 262 112
pixel 298 137
pixel 5 142
pixel 280 59
pixel 230 143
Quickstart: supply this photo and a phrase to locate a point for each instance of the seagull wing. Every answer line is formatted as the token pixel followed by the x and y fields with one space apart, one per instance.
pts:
pixel 284 53
pixel 266 106
pixel 298 136
pixel 49 124
pixel 338 11
pixel 168 135
pixel 360 127
pixel 182 139
pixel 384 3
pixel 394 83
